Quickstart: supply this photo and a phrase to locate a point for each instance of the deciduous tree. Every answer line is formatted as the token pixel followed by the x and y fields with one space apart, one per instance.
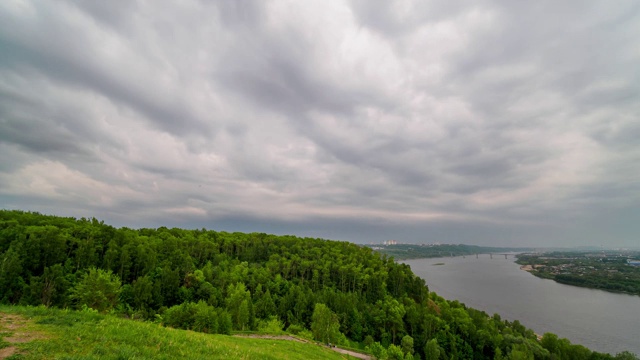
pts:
pixel 324 324
pixel 98 289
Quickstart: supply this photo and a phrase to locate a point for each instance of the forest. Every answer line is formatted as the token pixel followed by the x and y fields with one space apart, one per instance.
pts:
pixel 221 282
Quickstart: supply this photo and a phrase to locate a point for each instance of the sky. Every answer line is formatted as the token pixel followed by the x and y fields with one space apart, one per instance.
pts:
pixel 502 123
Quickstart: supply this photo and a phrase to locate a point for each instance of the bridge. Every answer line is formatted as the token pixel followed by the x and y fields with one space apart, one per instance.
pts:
pixel 490 255
pixel 477 255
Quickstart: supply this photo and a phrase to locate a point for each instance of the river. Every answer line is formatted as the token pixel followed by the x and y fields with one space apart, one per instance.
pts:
pixel 602 321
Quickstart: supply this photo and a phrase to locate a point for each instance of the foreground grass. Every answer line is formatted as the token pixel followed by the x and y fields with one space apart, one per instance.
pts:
pixel 65 334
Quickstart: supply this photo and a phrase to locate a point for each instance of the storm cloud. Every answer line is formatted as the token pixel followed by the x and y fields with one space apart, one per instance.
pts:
pixel 484 122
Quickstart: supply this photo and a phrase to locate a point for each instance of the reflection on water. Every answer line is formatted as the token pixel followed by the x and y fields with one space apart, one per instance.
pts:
pixel 599 320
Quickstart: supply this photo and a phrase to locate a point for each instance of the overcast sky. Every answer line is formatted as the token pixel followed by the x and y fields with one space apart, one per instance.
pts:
pixel 479 122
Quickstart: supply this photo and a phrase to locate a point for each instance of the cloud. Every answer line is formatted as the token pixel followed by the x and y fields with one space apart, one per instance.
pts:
pixel 478 122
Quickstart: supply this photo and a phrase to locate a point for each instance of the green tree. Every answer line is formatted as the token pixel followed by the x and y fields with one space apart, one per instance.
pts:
pixel 324 324
pixel 98 289
pixel 625 355
pixel 238 305
pixel 11 281
pixel 394 313
pixel 205 319
pixel 170 285
pixel 143 292
pixel 520 352
pixel 407 344
pixel 432 350
pixel 50 288
pixel 224 322
pixel 265 306
pixel 378 351
pixel 551 342
pixel 394 353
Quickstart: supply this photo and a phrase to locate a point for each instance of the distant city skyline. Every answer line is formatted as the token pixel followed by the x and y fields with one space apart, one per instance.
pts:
pixel 485 123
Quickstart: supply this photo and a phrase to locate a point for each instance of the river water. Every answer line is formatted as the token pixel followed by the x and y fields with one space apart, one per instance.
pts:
pixel 602 321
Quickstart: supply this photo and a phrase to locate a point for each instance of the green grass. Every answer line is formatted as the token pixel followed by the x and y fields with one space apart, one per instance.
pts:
pixel 64 334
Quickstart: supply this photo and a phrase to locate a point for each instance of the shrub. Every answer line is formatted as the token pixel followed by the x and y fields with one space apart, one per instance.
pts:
pixel 271 326
pixel 98 289
pixel 198 317
pixel 295 329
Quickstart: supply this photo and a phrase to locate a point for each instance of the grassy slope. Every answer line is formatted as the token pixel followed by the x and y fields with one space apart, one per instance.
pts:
pixel 82 335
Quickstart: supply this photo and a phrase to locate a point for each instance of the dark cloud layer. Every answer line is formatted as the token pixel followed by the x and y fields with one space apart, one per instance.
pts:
pixel 483 122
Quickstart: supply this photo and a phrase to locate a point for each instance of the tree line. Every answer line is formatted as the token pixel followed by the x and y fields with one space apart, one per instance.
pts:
pixel 219 282
pixel 416 251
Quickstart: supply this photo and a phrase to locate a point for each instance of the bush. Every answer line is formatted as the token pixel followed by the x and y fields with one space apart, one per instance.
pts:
pixel 306 334
pixel 271 326
pixel 198 317
pixel 180 316
pixel 295 329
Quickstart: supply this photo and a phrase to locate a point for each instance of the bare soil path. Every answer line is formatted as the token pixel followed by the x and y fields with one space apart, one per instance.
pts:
pixel 293 338
pixel 13 331
pixel 352 353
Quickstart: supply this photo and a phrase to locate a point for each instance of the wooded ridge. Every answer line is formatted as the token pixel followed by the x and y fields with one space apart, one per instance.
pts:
pixel 219 282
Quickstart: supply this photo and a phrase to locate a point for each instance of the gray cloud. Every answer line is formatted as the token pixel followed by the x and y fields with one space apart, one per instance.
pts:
pixel 479 122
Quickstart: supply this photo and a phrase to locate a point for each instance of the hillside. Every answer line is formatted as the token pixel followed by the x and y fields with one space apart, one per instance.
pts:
pixel 221 283
pixel 39 333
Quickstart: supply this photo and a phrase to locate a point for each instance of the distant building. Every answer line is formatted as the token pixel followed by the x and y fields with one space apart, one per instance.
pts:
pixel 390 242
pixel 633 262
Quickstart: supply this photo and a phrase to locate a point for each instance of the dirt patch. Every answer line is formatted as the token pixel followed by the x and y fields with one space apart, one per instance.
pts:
pixel 8 351
pixel 11 321
pixel 12 331
pixel 19 338
pixel 352 353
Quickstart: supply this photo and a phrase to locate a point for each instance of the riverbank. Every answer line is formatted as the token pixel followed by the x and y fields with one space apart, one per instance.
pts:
pixel 613 274
pixel 530 268
pixel 500 286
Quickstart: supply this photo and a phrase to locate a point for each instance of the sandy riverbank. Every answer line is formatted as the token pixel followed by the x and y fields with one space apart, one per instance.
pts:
pixel 530 267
